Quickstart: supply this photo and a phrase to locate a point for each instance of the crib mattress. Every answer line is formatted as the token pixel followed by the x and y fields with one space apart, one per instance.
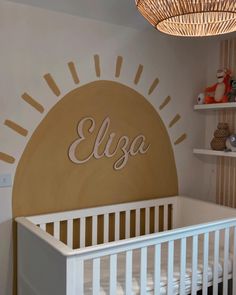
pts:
pixel 104 279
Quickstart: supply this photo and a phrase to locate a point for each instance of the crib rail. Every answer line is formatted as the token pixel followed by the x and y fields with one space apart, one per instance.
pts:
pixel 225 230
pixel 107 220
pixel 217 240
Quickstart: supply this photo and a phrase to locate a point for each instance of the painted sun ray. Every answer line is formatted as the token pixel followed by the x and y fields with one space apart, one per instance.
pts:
pixel 119 62
pixel 52 84
pixel 31 101
pixel 174 120
pixel 138 74
pixel 73 71
pixel 15 127
pixel 180 139
pixel 97 65
pixel 164 103
pixel 7 158
pixel 153 86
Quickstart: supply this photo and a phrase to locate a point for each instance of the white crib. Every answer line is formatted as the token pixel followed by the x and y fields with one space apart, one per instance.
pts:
pixel 173 245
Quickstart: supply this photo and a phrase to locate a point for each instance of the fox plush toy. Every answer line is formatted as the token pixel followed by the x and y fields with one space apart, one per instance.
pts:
pixel 219 92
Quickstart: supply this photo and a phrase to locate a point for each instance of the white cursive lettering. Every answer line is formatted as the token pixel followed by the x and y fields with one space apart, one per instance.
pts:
pixel 137 146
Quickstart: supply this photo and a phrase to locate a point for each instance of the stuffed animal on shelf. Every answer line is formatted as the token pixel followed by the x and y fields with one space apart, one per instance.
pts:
pixel 232 93
pixel 219 92
pixel 231 143
pixel 201 98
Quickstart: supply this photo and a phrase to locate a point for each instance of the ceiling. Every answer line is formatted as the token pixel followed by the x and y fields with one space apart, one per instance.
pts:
pixel 120 12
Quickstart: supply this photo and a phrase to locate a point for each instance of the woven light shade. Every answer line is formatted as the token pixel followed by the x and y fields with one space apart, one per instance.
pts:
pixel 190 17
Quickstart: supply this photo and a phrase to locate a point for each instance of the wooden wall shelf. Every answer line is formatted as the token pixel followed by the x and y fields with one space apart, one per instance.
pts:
pixel 215 106
pixel 209 152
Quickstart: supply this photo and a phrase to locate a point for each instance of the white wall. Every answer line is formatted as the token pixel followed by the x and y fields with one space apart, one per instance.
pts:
pixel 35 42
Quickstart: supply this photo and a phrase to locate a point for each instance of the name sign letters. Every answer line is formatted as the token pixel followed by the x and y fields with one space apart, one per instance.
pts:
pixel 128 147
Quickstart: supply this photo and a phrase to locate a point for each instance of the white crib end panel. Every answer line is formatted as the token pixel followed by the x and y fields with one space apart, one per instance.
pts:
pixel 40 268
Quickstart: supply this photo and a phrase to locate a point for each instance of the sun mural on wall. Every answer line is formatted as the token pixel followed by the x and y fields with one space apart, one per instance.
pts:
pixel 101 143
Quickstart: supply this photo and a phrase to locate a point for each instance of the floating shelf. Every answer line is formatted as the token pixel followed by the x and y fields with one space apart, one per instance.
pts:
pixel 215 106
pixel 214 153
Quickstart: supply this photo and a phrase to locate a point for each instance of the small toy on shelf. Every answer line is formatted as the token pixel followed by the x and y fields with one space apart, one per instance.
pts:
pixel 231 143
pixel 218 93
pixel 232 93
pixel 201 98
pixel 221 134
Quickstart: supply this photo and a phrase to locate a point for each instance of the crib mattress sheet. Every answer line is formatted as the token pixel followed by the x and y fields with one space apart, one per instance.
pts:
pixel 104 275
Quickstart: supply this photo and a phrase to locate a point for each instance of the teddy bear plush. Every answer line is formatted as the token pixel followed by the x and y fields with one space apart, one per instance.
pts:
pixel 232 93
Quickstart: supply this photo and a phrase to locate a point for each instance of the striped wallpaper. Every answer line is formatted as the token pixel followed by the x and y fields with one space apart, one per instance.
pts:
pixel 226 167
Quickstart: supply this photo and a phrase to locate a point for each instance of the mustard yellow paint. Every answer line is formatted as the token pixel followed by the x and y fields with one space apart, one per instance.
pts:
pixel 47 181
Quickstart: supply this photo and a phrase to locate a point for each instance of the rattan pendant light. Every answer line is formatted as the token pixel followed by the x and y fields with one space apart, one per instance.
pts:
pixel 190 17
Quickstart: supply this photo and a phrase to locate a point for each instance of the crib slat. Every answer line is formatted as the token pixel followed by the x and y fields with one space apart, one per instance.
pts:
pixel 226 257
pixel 127 224
pixel 143 271
pixel 80 279
pixel 234 263
pixel 82 232
pixel 194 264
pixel 216 261
pixel 117 226
pixel 147 221
pixel 70 233
pixel 74 272
pixel 94 229
pixel 157 269
pixel 113 274
pixel 96 276
pixel 170 267
pixel 205 263
pixel 156 219
pixel 165 217
pixel 182 265
pixel 43 226
pixel 137 222
pixel 128 273
pixel 56 230
pixel 106 228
